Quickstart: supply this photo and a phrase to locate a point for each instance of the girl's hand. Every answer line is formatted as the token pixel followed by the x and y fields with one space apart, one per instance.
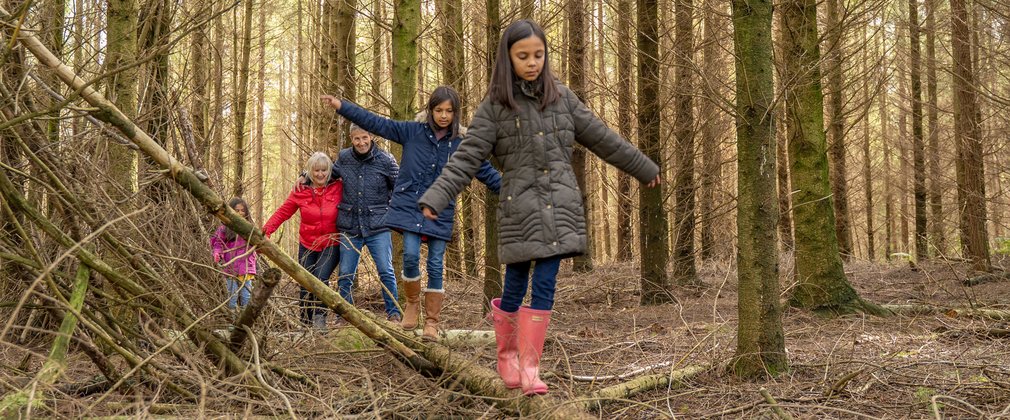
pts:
pixel 331 100
pixel 429 213
pixel 217 258
pixel 654 182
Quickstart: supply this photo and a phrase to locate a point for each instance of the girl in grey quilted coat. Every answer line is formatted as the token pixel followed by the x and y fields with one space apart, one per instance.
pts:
pixel 529 124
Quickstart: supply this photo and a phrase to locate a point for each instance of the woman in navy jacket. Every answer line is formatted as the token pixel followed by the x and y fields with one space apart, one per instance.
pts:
pixel 426 149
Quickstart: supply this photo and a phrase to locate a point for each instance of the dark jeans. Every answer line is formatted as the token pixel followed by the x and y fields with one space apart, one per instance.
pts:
pixel 517 277
pixel 321 264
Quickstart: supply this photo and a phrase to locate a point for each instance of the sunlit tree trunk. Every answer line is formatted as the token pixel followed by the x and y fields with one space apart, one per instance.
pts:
pixel 261 63
pixel 653 242
pixel 340 63
pixel 760 347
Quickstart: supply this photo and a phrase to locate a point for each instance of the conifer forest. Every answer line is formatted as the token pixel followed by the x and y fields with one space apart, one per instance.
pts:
pixel 830 237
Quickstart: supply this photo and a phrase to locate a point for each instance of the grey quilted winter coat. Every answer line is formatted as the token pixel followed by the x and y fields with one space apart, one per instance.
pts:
pixel 540 207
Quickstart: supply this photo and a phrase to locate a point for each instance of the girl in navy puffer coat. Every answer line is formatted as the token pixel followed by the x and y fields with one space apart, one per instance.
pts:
pixel 426 149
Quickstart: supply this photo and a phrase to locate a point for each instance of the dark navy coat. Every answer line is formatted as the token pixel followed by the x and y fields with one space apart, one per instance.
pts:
pixel 424 156
pixel 368 186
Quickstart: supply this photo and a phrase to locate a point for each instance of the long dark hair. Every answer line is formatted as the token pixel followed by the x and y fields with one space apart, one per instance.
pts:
pixel 439 95
pixel 229 235
pixel 502 77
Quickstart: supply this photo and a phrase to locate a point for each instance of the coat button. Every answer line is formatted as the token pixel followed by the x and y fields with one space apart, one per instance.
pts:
pixel 555 242
pixel 545 171
pixel 548 206
pixel 541 133
pixel 508 198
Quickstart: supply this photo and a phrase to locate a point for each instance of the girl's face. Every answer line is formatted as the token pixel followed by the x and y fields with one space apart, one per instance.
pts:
pixel 442 114
pixel 528 56
pixel 240 209
pixel 320 174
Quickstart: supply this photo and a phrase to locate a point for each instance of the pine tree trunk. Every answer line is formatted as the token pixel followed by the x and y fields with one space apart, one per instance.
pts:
pixel 867 157
pixel 242 100
pixel 122 90
pixel 577 82
pixel 492 265
pixel 837 168
pixel 156 27
pixel 340 64
pixel 198 82
pixel 918 148
pixel 625 102
pixel 712 120
pixel 971 174
pixel 653 241
pixel 822 286
pixel 257 210
pixel 938 240
pixel 882 74
pixel 684 271
pixel 406 21
pixel 760 340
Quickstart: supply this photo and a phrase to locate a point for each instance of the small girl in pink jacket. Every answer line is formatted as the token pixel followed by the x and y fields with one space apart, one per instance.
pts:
pixel 236 258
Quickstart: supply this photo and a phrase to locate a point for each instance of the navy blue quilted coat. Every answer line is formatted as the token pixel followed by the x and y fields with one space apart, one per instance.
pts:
pixel 368 186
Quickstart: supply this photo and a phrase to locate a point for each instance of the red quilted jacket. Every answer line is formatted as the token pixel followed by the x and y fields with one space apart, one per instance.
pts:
pixel 318 207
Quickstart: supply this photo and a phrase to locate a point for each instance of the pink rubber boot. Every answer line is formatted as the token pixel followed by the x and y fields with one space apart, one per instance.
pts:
pixel 532 332
pixel 505 334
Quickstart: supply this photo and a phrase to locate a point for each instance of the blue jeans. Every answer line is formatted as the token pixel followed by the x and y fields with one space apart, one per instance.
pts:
pixel 412 259
pixel 238 297
pixel 321 264
pixel 517 276
pixel 380 245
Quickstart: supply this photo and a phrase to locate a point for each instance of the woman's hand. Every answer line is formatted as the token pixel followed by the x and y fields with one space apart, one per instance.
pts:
pixel 429 213
pixel 654 182
pixel 331 101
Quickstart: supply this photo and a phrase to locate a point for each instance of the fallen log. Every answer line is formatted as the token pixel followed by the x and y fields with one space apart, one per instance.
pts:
pixel 56 363
pixel 270 278
pixel 926 309
pixel 986 278
pixel 671 379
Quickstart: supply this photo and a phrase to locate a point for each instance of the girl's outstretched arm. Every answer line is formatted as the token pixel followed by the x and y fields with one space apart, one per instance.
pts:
pixel 478 143
pixel 397 131
pixel 591 132
pixel 489 176
pixel 281 215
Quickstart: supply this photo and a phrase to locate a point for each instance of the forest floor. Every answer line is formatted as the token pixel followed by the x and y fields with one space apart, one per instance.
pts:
pixel 897 367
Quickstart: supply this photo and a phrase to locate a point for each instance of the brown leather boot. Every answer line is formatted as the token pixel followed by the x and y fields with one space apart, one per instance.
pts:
pixel 432 308
pixel 412 310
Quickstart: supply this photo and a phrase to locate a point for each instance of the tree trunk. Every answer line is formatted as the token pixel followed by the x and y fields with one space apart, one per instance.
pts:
pixel 711 115
pixel 242 100
pixel 938 242
pixel 867 157
pixel 156 28
pixel 655 231
pixel 882 74
pixel 837 168
pixel 625 102
pixel 406 21
pixel 760 340
pixel 822 284
pixel 492 266
pixel 918 149
pixel 577 82
pixel 198 82
pixel 340 64
pixel 971 173
pixel 120 54
pixel 257 210
pixel 684 271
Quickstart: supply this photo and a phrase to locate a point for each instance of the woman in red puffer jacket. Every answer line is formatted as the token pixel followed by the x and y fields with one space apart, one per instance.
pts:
pixel 318 241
